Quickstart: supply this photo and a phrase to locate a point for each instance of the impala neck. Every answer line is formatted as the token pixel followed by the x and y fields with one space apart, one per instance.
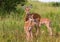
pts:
pixel 27 10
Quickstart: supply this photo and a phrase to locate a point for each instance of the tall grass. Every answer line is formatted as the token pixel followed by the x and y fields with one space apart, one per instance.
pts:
pixel 11 26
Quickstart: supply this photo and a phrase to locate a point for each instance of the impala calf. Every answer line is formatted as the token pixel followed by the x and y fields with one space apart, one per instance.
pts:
pixel 27 29
pixel 47 23
pixel 30 23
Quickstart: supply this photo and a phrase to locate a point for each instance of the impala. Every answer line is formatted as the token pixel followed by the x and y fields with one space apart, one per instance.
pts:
pixel 47 23
pixel 34 19
pixel 31 19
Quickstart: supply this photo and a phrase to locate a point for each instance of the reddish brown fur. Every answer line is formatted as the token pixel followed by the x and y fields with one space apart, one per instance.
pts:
pixel 47 23
pixel 35 16
pixel 29 24
pixel 31 19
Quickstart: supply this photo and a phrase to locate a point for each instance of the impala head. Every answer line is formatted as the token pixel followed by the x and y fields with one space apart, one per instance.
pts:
pixel 27 8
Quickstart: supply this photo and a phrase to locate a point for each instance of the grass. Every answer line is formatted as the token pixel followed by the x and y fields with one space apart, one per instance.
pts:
pixel 11 26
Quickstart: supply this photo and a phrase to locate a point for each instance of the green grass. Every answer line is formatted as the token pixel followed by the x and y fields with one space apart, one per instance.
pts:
pixel 11 26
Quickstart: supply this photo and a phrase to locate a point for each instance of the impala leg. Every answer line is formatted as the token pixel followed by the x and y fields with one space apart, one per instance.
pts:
pixel 37 29
pixel 49 28
pixel 30 31
pixel 29 35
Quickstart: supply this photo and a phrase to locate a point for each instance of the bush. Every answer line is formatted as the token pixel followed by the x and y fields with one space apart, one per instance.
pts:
pixel 55 4
pixel 10 5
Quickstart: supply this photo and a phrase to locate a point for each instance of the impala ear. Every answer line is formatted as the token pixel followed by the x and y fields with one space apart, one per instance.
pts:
pixel 30 6
pixel 23 7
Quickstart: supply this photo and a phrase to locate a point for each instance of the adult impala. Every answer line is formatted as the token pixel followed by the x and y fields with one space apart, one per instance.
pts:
pixel 31 19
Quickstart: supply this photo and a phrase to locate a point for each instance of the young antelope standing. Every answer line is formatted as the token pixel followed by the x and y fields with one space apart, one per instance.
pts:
pixel 47 23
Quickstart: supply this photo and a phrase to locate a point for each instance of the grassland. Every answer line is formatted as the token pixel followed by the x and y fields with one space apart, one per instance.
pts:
pixel 11 26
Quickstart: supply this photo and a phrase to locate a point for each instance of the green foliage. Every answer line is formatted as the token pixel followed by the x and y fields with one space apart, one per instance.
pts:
pixel 10 5
pixel 55 4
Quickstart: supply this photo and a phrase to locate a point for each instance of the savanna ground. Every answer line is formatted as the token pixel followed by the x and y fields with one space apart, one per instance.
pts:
pixel 11 26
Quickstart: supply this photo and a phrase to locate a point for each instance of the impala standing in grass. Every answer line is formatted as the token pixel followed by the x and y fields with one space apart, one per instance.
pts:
pixel 34 19
pixel 31 20
pixel 47 23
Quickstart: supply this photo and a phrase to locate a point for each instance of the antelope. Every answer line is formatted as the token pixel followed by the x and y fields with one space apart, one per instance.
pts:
pixel 31 19
pixel 47 23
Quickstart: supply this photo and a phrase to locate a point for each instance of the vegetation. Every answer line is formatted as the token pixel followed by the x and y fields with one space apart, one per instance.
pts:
pixel 11 25
pixel 55 4
pixel 10 5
